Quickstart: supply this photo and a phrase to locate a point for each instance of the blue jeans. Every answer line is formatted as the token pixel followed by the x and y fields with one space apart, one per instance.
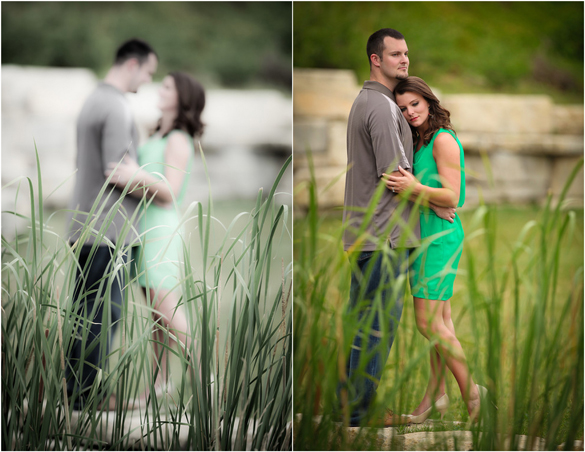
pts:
pixel 376 300
pixel 97 310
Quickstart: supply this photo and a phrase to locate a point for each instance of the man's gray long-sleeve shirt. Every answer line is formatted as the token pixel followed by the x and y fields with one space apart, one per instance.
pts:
pixel 105 133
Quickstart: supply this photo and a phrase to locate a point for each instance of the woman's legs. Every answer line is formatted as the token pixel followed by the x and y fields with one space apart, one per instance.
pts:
pixel 436 386
pixel 433 319
pixel 169 316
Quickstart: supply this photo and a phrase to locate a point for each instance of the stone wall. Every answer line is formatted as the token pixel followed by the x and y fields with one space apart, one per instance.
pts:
pixel 248 135
pixel 517 148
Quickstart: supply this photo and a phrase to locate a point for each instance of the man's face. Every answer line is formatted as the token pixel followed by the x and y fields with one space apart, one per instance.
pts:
pixel 394 62
pixel 142 73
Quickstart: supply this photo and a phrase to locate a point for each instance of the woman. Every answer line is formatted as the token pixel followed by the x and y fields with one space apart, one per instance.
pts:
pixel 438 178
pixel 169 153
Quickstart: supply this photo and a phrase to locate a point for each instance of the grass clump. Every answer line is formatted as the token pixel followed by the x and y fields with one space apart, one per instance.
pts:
pixel 517 309
pixel 233 374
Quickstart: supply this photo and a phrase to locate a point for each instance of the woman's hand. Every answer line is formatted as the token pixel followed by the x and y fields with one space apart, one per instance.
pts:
pixel 399 184
pixel 126 171
pixel 445 213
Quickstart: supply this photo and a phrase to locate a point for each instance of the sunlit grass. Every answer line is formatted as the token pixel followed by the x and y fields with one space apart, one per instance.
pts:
pixel 518 313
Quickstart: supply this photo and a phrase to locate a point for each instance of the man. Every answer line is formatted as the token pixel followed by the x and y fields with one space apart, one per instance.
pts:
pixel 105 133
pixel 379 140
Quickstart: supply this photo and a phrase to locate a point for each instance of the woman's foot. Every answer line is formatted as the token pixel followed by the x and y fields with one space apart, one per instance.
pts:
pixel 441 405
pixel 474 402
pixel 426 403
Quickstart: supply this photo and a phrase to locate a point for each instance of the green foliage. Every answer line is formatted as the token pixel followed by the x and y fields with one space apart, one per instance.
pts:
pixel 517 309
pixel 514 47
pixel 233 373
pixel 236 44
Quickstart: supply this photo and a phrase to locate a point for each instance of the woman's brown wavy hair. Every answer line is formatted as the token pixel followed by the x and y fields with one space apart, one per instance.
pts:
pixel 439 117
pixel 191 99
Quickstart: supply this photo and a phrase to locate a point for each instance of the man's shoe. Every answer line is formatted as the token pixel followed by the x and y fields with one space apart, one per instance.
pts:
pixel 389 419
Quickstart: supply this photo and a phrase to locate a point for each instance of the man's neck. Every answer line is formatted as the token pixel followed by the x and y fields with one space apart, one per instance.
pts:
pixel 115 78
pixel 388 83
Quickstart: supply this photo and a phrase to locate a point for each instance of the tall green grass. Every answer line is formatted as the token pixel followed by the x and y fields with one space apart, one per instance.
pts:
pixel 233 375
pixel 517 310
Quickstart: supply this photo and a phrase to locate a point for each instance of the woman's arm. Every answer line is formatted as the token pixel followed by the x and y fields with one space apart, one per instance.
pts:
pixel 147 184
pixel 445 213
pixel 446 154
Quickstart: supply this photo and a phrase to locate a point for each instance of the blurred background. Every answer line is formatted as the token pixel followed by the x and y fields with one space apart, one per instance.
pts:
pixel 54 53
pixel 511 74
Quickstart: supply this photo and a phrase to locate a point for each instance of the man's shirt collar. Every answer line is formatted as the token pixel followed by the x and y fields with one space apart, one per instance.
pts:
pixel 377 86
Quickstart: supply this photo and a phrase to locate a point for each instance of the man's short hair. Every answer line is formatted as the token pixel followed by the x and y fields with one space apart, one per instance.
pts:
pixel 133 48
pixel 376 41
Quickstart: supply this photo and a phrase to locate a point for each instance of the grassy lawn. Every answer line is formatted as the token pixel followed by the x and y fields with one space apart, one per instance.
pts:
pixel 237 261
pixel 518 342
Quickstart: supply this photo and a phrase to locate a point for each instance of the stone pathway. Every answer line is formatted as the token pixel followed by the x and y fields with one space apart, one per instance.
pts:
pixel 412 437
pixel 140 428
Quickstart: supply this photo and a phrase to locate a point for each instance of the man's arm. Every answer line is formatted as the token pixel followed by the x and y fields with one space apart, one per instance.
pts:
pixel 143 183
pixel 386 142
pixel 117 139
pixel 118 149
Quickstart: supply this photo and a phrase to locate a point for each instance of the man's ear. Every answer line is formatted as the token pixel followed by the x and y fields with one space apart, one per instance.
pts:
pixel 132 63
pixel 375 59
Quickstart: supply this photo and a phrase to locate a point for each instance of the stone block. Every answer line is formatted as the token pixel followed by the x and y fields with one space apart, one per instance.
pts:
pixel 326 93
pixel 455 440
pixel 562 168
pixel 310 136
pixel 568 119
pixel 337 149
pixel 500 113
pixel 328 196
pixel 507 177
pixel 522 143
pixel 48 92
pixel 247 118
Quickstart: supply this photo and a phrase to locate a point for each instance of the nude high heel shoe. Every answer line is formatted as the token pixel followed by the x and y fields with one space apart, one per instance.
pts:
pixel 442 405
pixel 483 396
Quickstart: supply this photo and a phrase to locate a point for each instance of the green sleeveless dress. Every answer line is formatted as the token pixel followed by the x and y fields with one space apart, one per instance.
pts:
pixel 435 264
pixel 161 252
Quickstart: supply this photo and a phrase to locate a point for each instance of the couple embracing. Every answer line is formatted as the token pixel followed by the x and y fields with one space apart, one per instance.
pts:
pixel 106 238
pixel 399 135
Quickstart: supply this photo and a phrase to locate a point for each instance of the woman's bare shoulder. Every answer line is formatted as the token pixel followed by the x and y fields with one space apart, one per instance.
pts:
pixel 445 145
pixel 445 138
pixel 178 144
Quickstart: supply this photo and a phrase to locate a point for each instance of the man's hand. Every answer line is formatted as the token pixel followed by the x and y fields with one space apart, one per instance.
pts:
pixel 124 173
pixel 446 213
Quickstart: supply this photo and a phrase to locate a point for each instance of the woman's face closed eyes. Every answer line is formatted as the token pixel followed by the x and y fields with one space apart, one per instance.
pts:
pixel 414 107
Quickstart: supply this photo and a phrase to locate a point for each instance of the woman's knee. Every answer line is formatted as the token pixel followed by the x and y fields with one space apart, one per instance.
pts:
pixel 435 328
pixel 424 326
pixel 427 324
pixel 446 313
